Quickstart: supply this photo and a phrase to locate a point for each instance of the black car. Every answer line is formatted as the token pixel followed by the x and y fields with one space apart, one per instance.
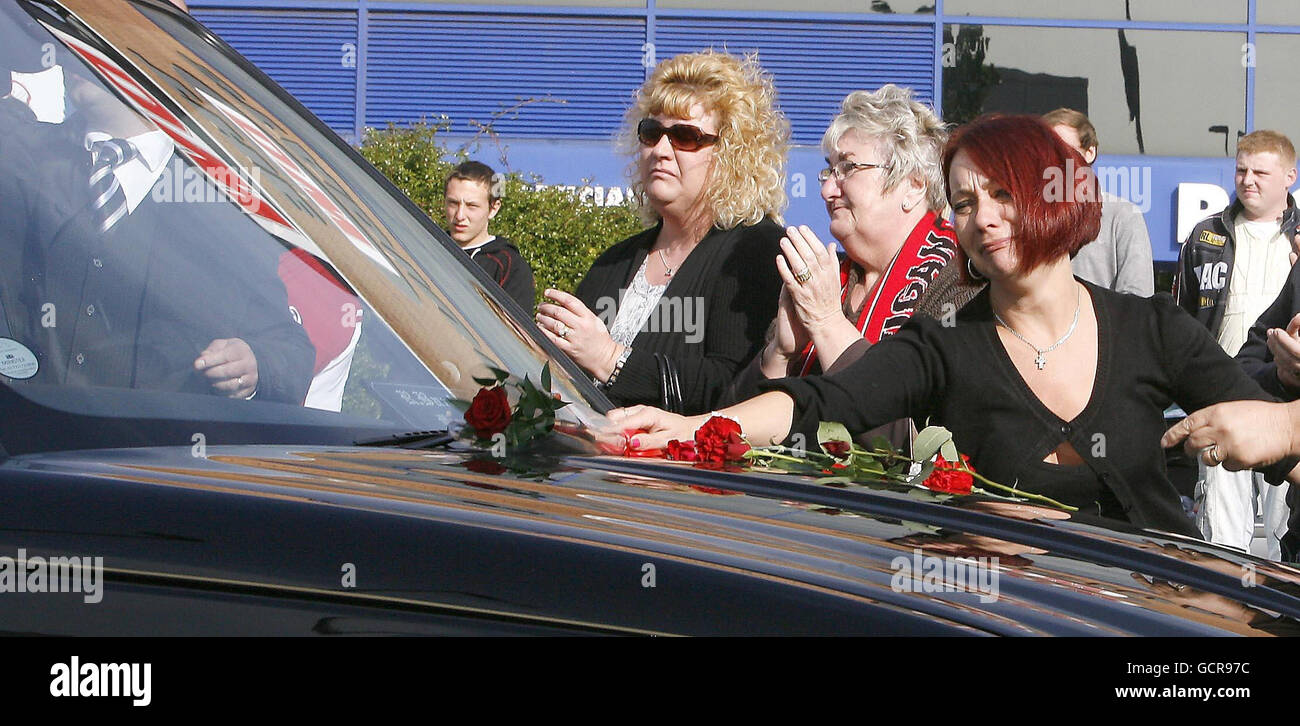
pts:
pixel 226 355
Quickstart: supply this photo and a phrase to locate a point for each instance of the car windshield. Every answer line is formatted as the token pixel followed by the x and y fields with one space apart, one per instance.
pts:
pixel 181 241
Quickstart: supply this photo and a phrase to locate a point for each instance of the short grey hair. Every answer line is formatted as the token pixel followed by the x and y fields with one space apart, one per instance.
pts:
pixel 908 133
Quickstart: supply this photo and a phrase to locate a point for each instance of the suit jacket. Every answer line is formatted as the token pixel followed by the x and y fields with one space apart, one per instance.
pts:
pixel 136 305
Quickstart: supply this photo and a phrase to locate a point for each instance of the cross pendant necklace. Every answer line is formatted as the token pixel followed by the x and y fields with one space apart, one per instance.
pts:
pixel 1040 360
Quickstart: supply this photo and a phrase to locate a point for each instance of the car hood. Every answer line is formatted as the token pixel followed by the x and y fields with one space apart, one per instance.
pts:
pixel 858 548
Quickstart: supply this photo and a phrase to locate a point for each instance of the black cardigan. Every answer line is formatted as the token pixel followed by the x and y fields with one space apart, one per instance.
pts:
pixel 1149 352
pixel 1255 356
pixel 710 321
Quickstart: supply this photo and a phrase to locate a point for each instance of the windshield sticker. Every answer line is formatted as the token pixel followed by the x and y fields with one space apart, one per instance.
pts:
pixel 17 360
pixel 419 406
pixel 303 180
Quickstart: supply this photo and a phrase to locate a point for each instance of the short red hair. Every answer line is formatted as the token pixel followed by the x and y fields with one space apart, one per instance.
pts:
pixel 1018 153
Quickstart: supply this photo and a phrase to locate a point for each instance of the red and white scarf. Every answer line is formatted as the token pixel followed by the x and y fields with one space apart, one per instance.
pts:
pixel 931 245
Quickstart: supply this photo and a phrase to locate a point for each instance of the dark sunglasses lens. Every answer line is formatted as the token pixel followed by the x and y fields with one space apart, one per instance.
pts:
pixel 684 137
pixel 650 131
pixel 681 136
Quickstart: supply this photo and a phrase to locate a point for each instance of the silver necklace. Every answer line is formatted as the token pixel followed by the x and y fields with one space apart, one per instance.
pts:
pixel 668 271
pixel 1039 360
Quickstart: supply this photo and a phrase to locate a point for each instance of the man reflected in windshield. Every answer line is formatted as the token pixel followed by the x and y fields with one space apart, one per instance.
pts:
pixel 128 288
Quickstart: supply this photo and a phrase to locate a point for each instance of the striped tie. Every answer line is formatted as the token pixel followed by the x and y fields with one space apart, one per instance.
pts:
pixel 106 192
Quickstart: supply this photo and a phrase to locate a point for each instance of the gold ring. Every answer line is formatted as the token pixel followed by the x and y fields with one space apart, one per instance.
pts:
pixel 804 276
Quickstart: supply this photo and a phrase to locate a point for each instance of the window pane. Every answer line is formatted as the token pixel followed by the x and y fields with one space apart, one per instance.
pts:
pixel 908 7
pixel 1275 68
pixel 1277 12
pixel 1173 111
pixel 1182 11
pixel 583 3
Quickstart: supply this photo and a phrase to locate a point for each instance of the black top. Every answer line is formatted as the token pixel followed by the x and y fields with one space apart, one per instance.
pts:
pixel 501 260
pixel 1255 356
pixel 1149 352
pixel 710 321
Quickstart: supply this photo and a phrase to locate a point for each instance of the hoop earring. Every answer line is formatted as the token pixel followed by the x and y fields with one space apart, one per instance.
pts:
pixel 970 270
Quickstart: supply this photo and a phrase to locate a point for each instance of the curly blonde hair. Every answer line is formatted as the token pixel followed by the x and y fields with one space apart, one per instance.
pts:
pixel 747 174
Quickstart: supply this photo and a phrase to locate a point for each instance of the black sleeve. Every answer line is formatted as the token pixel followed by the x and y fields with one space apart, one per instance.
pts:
pixel 1255 357
pixel 285 354
pixel 901 376
pixel 740 301
pixel 512 273
pixel 1201 373
pixel 1186 287
pixel 745 384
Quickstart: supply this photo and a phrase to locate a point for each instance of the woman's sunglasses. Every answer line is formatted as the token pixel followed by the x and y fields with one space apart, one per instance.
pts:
pixel 683 137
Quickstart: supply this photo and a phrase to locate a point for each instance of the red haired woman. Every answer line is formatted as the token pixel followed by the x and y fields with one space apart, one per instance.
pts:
pixel 1051 384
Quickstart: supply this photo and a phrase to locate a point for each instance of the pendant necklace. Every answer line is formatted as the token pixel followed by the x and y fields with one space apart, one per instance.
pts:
pixel 668 271
pixel 1039 360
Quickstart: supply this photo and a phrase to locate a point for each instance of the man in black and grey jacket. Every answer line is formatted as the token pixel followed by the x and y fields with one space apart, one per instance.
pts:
pixel 1231 269
pixel 472 200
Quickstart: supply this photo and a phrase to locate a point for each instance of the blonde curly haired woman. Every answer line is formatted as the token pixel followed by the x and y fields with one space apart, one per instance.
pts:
pixel 686 303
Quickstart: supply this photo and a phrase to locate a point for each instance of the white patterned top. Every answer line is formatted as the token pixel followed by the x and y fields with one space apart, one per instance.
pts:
pixel 639 301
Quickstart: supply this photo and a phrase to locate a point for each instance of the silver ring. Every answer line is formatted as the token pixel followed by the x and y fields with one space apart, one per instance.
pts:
pixel 240 381
pixel 1213 451
pixel 564 331
pixel 804 276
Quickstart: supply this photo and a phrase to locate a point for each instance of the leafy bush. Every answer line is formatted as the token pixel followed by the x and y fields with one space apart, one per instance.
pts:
pixel 558 234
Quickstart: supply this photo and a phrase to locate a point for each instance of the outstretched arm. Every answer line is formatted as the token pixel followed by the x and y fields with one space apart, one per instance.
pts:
pixel 1241 434
pixel 765 420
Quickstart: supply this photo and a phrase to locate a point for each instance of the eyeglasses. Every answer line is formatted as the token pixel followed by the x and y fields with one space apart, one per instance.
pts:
pixel 842 169
pixel 683 137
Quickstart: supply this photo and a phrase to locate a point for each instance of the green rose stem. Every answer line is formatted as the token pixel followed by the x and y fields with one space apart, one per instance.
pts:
pixel 774 454
pixel 1019 494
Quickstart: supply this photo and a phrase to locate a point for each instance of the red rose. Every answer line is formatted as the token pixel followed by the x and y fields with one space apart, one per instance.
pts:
pixel 485 466
pixel 489 412
pixel 719 441
pixel 838 449
pixel 713 490
pixel 681 450
pixel 950 477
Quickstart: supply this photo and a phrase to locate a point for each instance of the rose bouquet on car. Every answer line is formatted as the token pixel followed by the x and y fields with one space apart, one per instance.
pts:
pixel 491 420
pixel 935 463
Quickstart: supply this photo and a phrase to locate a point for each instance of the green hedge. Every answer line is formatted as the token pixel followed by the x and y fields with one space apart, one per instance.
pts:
pixel 557 233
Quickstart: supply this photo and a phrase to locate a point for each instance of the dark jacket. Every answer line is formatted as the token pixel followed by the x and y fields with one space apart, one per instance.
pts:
pixel 501 260
pixel 710 321
pixel 1205 263
pixel 136 305
pixel 1255 356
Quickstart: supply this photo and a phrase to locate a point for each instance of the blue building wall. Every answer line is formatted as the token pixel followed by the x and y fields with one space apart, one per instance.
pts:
pixel 556 80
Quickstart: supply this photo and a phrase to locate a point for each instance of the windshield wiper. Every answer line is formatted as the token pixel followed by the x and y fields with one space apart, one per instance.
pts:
pixel 410 440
